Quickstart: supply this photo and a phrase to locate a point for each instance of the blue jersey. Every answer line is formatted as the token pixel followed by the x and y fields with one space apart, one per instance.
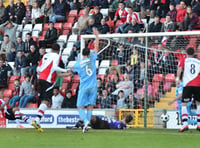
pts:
pixel 86 69
pixel 116 125
pixel 179 90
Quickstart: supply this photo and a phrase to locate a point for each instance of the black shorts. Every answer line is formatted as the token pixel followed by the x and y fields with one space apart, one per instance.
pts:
pixel 9 114
pixel 43 93
pixel 99 124
pixel 190 92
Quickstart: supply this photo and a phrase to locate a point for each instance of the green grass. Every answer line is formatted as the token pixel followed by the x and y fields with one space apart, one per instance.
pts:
pixel 131 138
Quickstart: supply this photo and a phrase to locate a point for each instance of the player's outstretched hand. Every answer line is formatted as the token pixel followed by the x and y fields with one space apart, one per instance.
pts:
pixel 95 31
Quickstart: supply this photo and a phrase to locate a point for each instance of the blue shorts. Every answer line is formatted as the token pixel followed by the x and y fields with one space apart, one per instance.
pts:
pixel 87 97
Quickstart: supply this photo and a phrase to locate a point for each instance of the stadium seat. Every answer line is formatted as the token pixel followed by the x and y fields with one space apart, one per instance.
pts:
pixel 33 105
pixel 12 78
pixel 101 76
pixel 192 40
pixel 162 20
pixel 104 12
pixel 102 70
pixel 7 93
pixel 97 64
pixel 37 27
pixel 65 32
pixel 72 38
pixel 73 13
pixel 158 78
pixel 169 80
pixel 191 45
pixel 71 19
pixel 34 38
pixel 46 26
pixel 105 64
pixel 121 77
pixel 58 26
pixel 28 27
pixel 62 38
pixel 76 79
pixel 170 77
pixel 67 79
pixel 67 26
pixel 114 63
pixel 80 13
pixel 11 86
pixel 156 86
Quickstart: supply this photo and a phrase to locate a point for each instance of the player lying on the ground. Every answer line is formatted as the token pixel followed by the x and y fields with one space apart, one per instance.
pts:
pixel 179 90
pixel 98 123
pixel 12 113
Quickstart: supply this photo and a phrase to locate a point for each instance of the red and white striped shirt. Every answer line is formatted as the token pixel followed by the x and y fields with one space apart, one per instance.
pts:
pixel 122 14
pixel 4 110
pixel 48 67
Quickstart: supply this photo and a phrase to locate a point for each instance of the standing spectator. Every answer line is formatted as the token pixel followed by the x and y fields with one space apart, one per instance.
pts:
pixel 69 100
pixel 46 10
pixel 172 12
pixel 9 13
pixel 20 64
pixel 27 92
pixel 60 9
pixel 121 13
pixel 195 6
pixel 121 101
pixel 57 98
pixel 36 13
pixel 181 12
pixel 4 68
pixel 50 36
pixel 105 100
pixel 97 16
pixel 10 29
pixel 19 12
pixel 20 45
pixel 113 8
pixel 191 19
pixel 103 28
pixel 14 99
pixel 28 15
pixel 28 42
pixel 2 11
pixel 134 58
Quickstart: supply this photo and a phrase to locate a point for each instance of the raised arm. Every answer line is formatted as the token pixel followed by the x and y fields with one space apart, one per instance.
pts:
pixel 96 33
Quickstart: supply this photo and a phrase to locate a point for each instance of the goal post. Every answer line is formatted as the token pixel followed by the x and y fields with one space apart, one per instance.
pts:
pixel 170 44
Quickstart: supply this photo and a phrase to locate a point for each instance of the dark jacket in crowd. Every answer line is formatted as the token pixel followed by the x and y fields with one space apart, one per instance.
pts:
pixel 51 35
pixel 60 8
pixel 155 27
pixel 69 102
pixel 103 29
pixel 28 44
pixel 98 18
pixel 33 58
pixel 135 28
pixel 3 75
pixel 20 63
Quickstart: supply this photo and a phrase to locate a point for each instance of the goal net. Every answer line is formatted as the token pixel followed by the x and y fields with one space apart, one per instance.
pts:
pixel 137 71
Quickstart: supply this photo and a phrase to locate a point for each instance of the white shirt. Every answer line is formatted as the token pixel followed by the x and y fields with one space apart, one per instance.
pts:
pixel 36 13
pixel 57 101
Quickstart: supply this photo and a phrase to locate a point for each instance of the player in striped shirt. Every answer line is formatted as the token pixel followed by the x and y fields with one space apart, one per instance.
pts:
pixel 47 69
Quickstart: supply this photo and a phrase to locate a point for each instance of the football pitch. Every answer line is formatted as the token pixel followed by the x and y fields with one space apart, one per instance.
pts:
pixel 130 138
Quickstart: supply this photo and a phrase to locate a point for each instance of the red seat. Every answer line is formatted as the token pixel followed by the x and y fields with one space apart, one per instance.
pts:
pixel 67 26
pixel 22 79
pixel 91 45
pixel 46 26
pixel 170 77
pixel 33 105
pixel 156 88
pixel 109 77
pixel 71 19
pixel 110 24
pixel 76 79
pixel 114 63
pixel 121 77
pixel 12 78
pixel 58 26
pixel 162 20
pixel 102 76
pixel 67 79
pixel 65 32
pixel 7 93
pixel 167 86
pixel 192 40
pixel 73 13
pixel 158 78
pixel 191 45
pixel 34 38
pixel 80 13
pixel 11 86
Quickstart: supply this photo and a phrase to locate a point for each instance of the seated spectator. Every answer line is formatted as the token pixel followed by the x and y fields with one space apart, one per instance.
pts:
pixel 27 92
pixel 50 36
pixel 42 52
pixel 191 19
pixel 172 12
pixel 82 22
pixel 89 29
pixel 112 84
pixel 126 86
pixel 103 28
pixel 20 64
pixel 155 27
pixel 4 68
pixel 181 12
pixel 98 16
pixel 121 13
pixel 130 71
pixel 46 10
pixel 121 101
pixel 195 6
pixel 100 86
pixel 60 8
pixel 105 100
pixel 134 26
pixel 28 42
pixel 36 13
pixel 2 10
pixel 9 13
pixel 10 29
pixel 69 100
pixel 28 17
pixel 20 45
pixel 57 99
pixel 14 99
pixel 19 12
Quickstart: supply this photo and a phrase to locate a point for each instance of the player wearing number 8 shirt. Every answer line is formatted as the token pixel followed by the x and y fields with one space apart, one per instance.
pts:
pixel 191 82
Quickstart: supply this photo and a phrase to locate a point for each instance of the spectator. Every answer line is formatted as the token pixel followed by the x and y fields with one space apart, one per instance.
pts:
pixel 111 86
pixel 69 100
pixel 131 102
pixel 121 12
pixel 60 9
pixel 74 52
pixel 57 99
pixel 42 52
pixel 181 12
pixel 126 86
pixel 20 45
pixel 2 10
pixel 105 100
pixel 102 3
pixel 19 12
pixel 99 86
pixel 191 19
pixel 134 58
pixel 98 16
pixel 134 26
pixel 28 42
pixel 50 36
pixel 82 22
pixel 10 29
pixel 130 71
pixel 140 75
pixel 4 68
pixel 91 24
pixel 113 8
pixel 7 45
pixel 14 99
pixel 36 13
pixel 103 28
pixel 121 101
pixel 9 14
pixel 163 8
pixel 27 92
pixel 154 7
pixel 195 6
pixel 172 12
pixel 46 10
pixel 28 16
pixel 20 64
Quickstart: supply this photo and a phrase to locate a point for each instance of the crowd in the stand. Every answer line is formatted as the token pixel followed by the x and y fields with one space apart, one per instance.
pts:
pixel 125 88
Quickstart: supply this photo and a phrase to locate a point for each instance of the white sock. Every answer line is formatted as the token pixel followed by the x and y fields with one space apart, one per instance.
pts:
pixel 37 119
pixel 42 108
pixel 184 116
pixel 17 117
pixel 26 119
